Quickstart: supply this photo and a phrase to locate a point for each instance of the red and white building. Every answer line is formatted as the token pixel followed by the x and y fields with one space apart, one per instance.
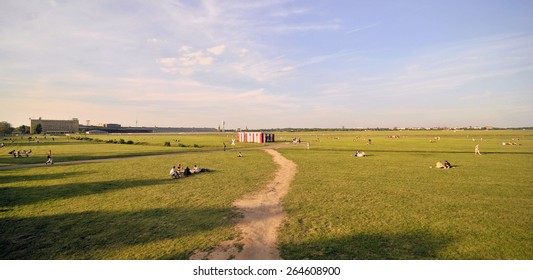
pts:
pixel 256 137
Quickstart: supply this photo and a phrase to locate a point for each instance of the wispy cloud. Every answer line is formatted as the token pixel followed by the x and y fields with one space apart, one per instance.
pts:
pixel 361 28
pixel 217 50
pixel 190 60
pixel 459 76
pixel 324 26
pixel 445 69
pixel 339 55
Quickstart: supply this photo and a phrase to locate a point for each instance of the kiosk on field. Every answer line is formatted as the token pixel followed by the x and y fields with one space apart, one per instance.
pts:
pixel 256 137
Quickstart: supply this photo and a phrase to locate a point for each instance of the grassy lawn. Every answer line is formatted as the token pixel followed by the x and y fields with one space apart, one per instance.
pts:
pixel 391 205
pixel 388 205
pixel 95 146
pixel 127 209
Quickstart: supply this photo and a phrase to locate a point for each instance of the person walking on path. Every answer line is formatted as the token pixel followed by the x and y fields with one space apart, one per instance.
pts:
pixel 49 158
pixel 476 150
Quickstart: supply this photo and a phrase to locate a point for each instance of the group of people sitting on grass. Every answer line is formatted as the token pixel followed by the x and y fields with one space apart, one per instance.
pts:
pixel 19 153
pixel 178 172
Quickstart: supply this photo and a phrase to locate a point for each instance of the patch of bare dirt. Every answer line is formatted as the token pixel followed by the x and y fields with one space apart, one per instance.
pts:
pixel 262 215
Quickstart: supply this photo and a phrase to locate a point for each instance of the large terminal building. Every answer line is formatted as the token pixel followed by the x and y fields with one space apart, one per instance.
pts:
pixel 73 126
pixel 56 126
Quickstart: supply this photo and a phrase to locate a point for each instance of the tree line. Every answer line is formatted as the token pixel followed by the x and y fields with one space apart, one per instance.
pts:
pixel 7 129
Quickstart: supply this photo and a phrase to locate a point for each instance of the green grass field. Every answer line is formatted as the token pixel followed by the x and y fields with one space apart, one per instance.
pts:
pixel 391 205
pixel 96 146
pixel 125 209
pixel 388 205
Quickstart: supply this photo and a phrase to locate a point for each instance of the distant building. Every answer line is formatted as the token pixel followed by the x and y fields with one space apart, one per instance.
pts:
pixel 109 125
pixel 56 126
pixel 256 137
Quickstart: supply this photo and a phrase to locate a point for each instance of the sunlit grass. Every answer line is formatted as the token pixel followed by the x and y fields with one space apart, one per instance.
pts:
pixel 128 209
pixel 391 205
pixel 95 146
pixel 388 205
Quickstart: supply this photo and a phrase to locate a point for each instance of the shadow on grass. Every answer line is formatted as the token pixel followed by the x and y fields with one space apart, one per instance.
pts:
pixel 100 234
pixel 17 196
pixel 41 159
pixel 41 177
pixel 15 163
pixel 409 246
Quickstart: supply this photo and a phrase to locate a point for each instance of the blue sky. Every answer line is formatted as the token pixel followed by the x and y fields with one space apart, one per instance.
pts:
pixel 268 64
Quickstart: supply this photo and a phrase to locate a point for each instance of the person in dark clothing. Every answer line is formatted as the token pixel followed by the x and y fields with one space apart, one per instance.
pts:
pixel 187 171
pixel 49 158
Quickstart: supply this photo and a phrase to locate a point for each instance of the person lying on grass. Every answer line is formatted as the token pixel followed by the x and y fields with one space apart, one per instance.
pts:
pixel 441 165
pixel 197 169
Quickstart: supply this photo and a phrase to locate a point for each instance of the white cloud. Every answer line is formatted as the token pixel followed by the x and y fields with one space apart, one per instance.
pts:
pixel 195 58
pixel 287 12
pixel 306 27
pixel 190 60
pixel 154 40
pixel 243 52
pixel 168 61
pixel 288 69
pixel 173 70
pixel 217 50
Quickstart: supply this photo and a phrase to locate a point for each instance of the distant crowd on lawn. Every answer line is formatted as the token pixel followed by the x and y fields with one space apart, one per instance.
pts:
pixel 27 153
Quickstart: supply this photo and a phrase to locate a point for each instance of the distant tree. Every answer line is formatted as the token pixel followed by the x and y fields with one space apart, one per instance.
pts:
pixel 23 129
pixel 37 129
pixel 5 128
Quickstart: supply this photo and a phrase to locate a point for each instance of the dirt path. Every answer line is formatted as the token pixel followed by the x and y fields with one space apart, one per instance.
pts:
pixel 262 215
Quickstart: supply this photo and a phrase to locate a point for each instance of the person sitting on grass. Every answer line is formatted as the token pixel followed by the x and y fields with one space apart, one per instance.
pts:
pixel 196 169
pixel 178 169
pixel 447 164
pixel 173 173
pixel 187 171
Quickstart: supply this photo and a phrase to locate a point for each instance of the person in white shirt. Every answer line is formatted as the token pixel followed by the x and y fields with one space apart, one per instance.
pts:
pixel 173 172
pixel 197 169
pixel 359 154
